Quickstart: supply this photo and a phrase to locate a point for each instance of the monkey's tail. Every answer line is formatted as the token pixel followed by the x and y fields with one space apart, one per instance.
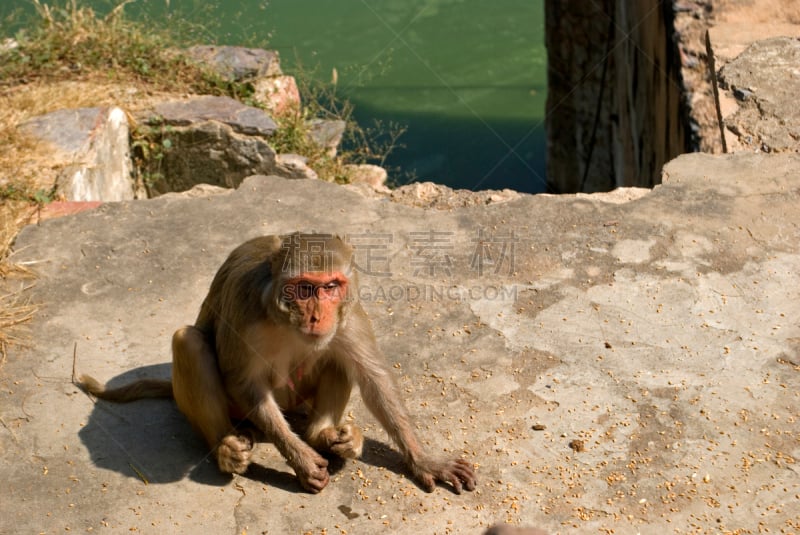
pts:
pixel 141 389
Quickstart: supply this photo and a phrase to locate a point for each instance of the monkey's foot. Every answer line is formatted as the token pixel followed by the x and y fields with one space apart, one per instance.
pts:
pixel 346 441
pixel 233 453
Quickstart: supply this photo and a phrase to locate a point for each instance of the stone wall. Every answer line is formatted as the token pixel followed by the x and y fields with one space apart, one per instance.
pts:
pixel 616 110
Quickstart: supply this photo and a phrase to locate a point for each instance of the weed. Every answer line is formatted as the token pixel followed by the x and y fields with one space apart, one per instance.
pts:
pixel 23 192
pixel 71 42
pixel 360 144
pixel 150 142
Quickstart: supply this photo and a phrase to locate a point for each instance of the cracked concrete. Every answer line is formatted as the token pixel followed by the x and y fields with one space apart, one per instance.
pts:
pixel 611 363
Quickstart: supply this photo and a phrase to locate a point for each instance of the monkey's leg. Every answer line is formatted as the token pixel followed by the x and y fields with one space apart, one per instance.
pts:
pixel 200 395
pixel 325 431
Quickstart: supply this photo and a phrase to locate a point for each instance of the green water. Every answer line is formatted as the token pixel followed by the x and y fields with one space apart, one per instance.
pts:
pixel 466 77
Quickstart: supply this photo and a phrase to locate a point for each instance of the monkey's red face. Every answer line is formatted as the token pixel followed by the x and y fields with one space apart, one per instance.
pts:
pixel 317 298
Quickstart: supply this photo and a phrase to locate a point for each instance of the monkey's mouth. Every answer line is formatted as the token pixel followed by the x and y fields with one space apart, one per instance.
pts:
pixel 318 339
pixel 311 330
pixel 314 334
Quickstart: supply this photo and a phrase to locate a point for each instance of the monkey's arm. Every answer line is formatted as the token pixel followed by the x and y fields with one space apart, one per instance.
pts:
pixel 262 409
pixel 368 366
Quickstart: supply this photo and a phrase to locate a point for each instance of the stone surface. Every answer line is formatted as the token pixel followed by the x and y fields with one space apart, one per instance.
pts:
pixel 278 94
pixel 660 331
pixel 765 80
pixel 432 195
pixel 293 166
pixel 327 133
pixel 91 146
pixel 55 209
pixel 208 152
pixel 372 175
pixel 209 140
pixel 199 190
pixel 243 119
pixel 237 63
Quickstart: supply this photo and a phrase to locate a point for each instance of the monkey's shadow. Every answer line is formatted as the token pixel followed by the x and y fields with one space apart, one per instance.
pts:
pixel 152 441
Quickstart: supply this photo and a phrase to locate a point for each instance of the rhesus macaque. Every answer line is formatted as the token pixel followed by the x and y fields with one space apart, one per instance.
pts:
pixel 282 327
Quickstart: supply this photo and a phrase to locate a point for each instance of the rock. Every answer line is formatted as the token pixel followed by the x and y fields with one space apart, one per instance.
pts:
pixel 218 141
pixel 742 94
pixel 278 94
pixel 198 191
pixel 208 152
pixel 56 209
pixel 765 79
pixel 327 134
pixel 208 139
pixel 372 175
pixel 243 119
pixel 294 166
pixel 237 63
pixel 431 195
pixel 616 196
pixel 92 145
pixel 367 191
pixel 423 191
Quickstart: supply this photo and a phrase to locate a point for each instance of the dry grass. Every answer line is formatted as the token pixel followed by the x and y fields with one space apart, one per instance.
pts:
pixel 16 309
pixel 28 163
pixel 70 59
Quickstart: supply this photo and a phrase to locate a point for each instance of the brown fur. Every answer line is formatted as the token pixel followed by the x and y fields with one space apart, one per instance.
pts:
pixel 257 349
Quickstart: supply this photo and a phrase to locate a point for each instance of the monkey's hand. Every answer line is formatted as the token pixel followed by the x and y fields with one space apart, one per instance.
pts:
pixel 458 472
pixel 233 453
pixel 311 469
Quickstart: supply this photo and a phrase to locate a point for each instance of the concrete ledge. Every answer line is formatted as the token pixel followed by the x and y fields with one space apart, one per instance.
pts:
pixel 609 366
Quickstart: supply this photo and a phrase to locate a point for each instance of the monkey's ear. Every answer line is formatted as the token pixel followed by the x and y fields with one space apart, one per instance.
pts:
pixel 275 242
pixel 345 245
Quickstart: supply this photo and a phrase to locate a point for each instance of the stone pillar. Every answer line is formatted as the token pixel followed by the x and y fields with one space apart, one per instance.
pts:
pixel 615 110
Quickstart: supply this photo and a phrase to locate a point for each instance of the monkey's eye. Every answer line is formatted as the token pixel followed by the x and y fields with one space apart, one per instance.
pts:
pixel 304 290
pixel 330 289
